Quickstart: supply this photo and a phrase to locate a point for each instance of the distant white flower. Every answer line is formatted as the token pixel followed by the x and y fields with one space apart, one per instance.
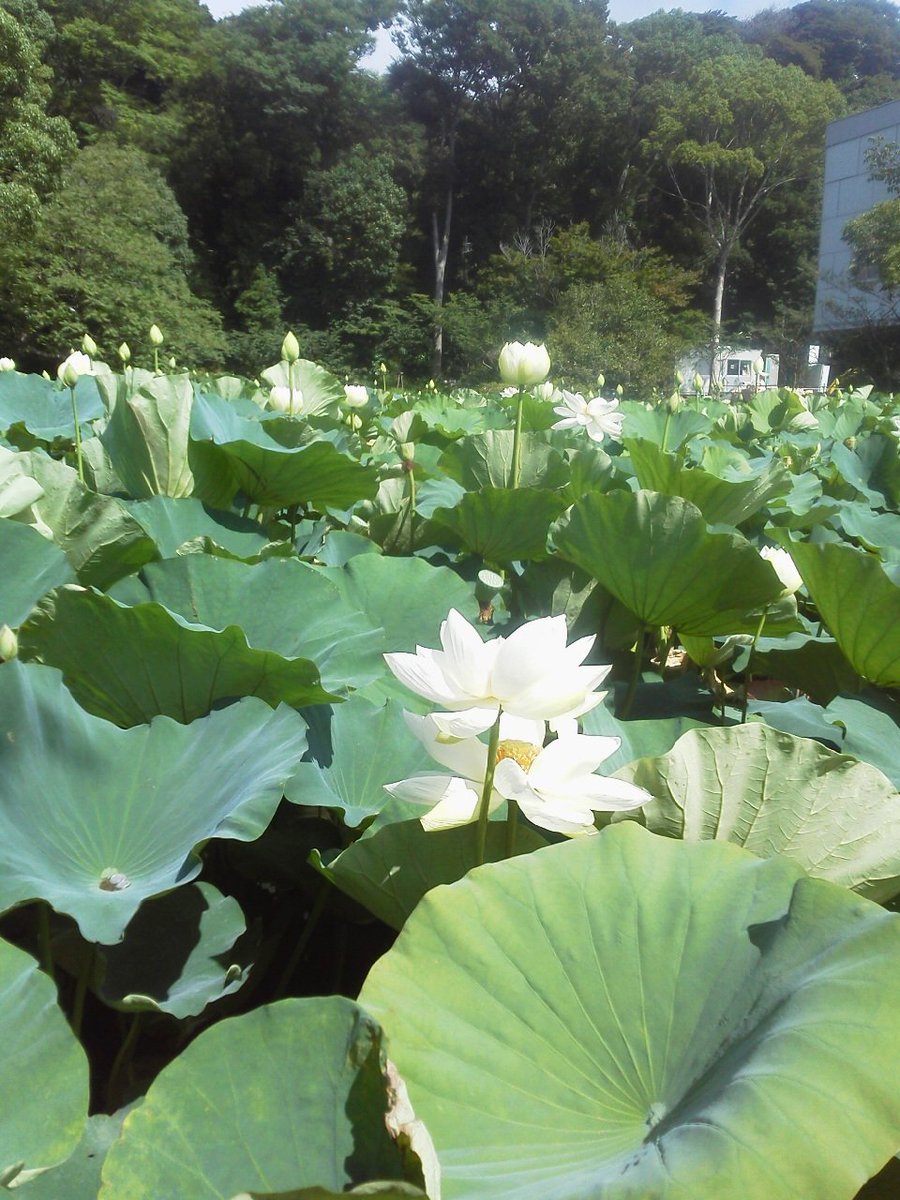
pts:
pixel 546 391
pixel 524 364
pixel 554 786
pixel 532 673
pixel 7 364
pixel 285 399
pixel 290 348
pixel 598 417
pixel 355 395
pixel 156 336
pixel 71 369
pixel 784 568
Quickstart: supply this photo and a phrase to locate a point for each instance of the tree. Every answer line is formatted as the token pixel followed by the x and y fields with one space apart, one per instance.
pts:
pixel 737 130
pixel 34 146
pixel 110 257
pixel 875 235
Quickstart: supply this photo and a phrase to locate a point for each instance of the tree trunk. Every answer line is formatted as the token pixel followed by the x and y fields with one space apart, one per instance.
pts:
pixel 716 341
pixel 440 245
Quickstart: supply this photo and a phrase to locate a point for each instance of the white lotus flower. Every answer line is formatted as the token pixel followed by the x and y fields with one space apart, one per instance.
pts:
pixel 784 568
pixel 285 399
pixel 532 673
pixel 355 395
pixel 71 369
pixel 598 417
pixel 524 364
pixel 554 786
pixel 7 364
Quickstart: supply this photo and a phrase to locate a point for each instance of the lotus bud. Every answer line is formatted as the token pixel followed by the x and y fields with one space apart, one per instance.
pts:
pixel 125 352
pixel 290 348
pixel 9 644
pixel 544 391
pixel 71 370
pixel 7 364
pixel 523 365
pixel 355 395
pixel 172 363
pixel 89 346
pixel 156 337
pixel 759 366
pixel 698 383
pixel 601 380
pixel 674 403
pixel 620 391
pixel 679 379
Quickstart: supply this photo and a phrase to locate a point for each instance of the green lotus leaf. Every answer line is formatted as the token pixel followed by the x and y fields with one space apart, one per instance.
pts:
pixel 148 437
pixel 43 1070
pixel 444 415
pixel 319 389
pixel 656 425
pixel 816 666
pixel 394 864
pixel 354 782
pixel 282 605
pixel 774 793
pixel 96 819
pixel 485 461
pixel 800 717
pixel 502 525
pixel 174 957
pixel 78 1178
pixel 859 604
pixel 722 501
pixel 172 523
pixel 292 1095
pixel 657 556
pixel 275 475
pixel 44 408
pixel 878 531
pixel 871 727
pixel 98 536
pixel 638 738
pixel 387 1191
pixel 30 566
pixel 631 1016
pixel 183 671
pixel 18 490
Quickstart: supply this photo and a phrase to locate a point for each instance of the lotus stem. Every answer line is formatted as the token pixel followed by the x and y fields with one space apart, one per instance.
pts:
pixel 517 440
pixel 748 673
pixel 78 457
pixel 485 806
pixel 84 977
pixel 122 1059
pixel 635 675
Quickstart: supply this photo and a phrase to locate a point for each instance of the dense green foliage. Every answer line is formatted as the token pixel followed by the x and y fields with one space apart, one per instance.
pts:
pixel 392 218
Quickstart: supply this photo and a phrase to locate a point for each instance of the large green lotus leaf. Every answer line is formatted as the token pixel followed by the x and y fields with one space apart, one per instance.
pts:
pixel 387 1191
pixel 98 536
pixel 172 523
pixel 30 566
pixel 275 475
pixel 282 605
pixel 43 407
pixel 878 531
pixel 638 739
pixel 444 415
pixel 859 604
pixel 722 501
pixel 871 725
pixel 657 556
pixel 182 671
pixel 319 389
pixel 486 461
pixel 656 424
pixel 629 1016
pixel 393 865
pixel 43 1070
pixel 174 957
pixel 96 819
pixel 814 665
pixel 148 437
pixel 408 598
pixel 872 468
pixel 777 794
pixel 291 1095
pixel 502 525
pixel 78 1178
pixel 354 782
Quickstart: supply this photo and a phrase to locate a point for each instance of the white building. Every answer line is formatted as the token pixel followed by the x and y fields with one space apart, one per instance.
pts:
pixel 735 370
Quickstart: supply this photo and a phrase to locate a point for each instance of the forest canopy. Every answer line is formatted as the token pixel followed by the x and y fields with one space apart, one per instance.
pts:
pixel 525 169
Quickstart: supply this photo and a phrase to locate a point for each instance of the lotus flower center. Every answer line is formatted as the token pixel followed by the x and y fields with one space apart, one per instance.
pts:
pixel 524 753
